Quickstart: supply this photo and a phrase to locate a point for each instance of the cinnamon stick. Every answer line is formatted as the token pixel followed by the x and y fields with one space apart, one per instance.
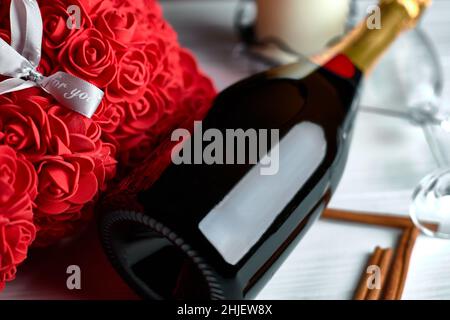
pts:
pixel 362 289
pixel 399 269
pixel 406 261
pixel 374 219
pixel 384 265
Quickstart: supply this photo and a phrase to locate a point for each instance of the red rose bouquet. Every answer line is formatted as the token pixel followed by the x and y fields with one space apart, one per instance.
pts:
pixel 54 162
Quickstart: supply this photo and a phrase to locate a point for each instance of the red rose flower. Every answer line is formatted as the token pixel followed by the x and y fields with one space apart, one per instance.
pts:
pixel 142 114
pixel 72 133
pixel 75 136
pixel 65 185
pixel 81 164
pixel 137 118
pixel 17 191
pixel 55 17
pixel 60 214
pixel 89 56
pixel 17 179
pixel 105 165
pixel 24 124
pixel 156 51
pixel 17 232
pixel 118 25
pixel 108 116
pixel 132 77
pixel 200 96
pixel 165 31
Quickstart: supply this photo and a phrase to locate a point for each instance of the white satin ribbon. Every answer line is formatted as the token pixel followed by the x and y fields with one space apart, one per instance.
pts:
pixel 20 60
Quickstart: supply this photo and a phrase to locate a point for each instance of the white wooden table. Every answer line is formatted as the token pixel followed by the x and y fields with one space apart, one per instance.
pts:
pixel 388 158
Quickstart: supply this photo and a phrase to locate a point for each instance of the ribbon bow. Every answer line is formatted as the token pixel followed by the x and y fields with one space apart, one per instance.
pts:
pixel 20 60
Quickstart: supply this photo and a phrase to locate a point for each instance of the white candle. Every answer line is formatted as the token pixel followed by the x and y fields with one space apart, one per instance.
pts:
pixel 306 26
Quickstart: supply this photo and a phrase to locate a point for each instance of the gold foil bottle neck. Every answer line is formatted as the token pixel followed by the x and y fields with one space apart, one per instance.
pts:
pixel 364 46
pixel 414 9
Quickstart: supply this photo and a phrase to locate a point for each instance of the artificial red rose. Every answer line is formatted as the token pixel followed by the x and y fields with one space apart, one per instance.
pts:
pixel 17 232
pixel 55 16
pixel 108 116
pixel 90 57
pixel 82 164
pixel 65 185
pixel 169 90
pixel 24 124
pixel 200 96
pixel 17 181
pixel 156 51
pixel 138 118
pixel 74 140
pixel 153 28
pixel 142 114
pixel 75 136
pixel 165 30
pixel 105 165
pixel 17 191
pixel 118 25
pixel 73 182
pixel 132 77
pixel 72 133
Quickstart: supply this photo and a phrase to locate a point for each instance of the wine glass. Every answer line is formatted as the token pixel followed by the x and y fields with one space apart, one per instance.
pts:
pixel 416 97
pixel 430 206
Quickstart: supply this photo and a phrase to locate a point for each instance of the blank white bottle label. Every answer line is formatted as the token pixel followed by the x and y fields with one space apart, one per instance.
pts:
pixel 242 217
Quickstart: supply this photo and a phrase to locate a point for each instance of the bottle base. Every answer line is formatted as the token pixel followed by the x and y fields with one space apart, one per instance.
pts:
pixel 154 260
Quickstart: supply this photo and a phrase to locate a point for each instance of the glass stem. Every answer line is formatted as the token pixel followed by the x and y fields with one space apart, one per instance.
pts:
pixel 437 151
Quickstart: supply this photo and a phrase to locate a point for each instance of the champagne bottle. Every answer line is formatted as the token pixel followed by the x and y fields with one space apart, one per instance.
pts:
pixel 220 231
